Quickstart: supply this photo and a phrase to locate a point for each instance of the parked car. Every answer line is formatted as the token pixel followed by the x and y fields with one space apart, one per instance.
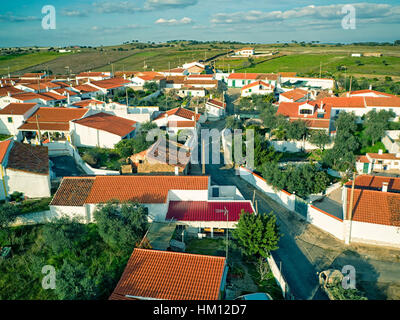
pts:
pixel 255 296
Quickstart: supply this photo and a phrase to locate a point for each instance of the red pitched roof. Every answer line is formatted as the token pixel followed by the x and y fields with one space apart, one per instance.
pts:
pixel 86 103
pixel 144 189
pixel 375 207
pixel 217 103
pixel 382 102
pixel 364 92
pixel 257 83
pixel 110 83
pixel 109 123
pixel 17 108
pixel 370 182
pixel 383 156
pixel 207 210
pixel 181 124
pixel 180 112
pixel 9 89
pixel 170 276
pixel 295 94
pixel 28 158
pixel 3 149
pixel 53 119
pixel 86 88
pixel 345 102
pixel 243 76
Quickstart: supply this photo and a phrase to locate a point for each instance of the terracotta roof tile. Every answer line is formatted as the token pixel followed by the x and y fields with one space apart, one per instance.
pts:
pixel 73 192
pixel 181 124
pixel 17 108
pixel 243 76
pixel 171 276
pixel 3 149
pixel 257 83
pixel 144 189
pixel 109 123
pixel 28 158
pixel 370 182
pixel 295 94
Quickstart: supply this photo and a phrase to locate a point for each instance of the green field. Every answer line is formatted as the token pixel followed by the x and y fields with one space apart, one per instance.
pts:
pixel 22 61
pixel 160 59
pixel 310 63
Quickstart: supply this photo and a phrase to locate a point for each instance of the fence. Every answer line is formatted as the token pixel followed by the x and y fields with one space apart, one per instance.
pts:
pixel 280 279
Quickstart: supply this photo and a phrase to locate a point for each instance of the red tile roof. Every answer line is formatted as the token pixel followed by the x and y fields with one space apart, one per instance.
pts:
pixel 9 89
pixel 92 74
pixel 257 83
pixel 180 112
pixel 26 96
pixel 86 88
pixel 370 182
pixel 181 124
pixel 28 158
pixel 17 108
pixel 54 119
pixel 364 92
pixel 3 149
pixel 109 123
pixel 345 102
pixel 171 276
pixel 243 76
pixel 363 159
pixel 86 103
pixel 191 82
pixel 73 192
pixel 392 102
pixel 144 189
pixel 384 156
pixel 295 94
pixel 375 207
pixel 110 83
pixel 207 210
pixel 217 103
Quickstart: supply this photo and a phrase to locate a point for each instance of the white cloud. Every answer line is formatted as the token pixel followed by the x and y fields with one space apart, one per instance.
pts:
pixel 73 13
pixel 9 17
pixel 165 4
pixel 174 22
pixel 116 7
pixel 364 12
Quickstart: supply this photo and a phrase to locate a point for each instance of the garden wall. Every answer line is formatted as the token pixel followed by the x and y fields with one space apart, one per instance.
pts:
pixel 295 146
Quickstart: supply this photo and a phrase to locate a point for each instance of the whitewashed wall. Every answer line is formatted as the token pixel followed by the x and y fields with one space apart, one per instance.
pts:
pixel 326 222
pixel 295 146
pixel 375 234
pixel 30 184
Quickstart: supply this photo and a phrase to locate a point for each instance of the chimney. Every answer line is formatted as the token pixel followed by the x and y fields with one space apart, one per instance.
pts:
pixel 68 99
pixel 124 76
pixel 76 81
pixel 9 93
pixel 380 151
pixel 176 170
pixel 385 186
pixel 192 118
pixel 47 89
pixel 370 87
pixel 197 110
pixel 210 96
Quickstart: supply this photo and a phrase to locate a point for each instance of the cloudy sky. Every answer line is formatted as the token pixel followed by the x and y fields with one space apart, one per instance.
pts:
pixel 105 22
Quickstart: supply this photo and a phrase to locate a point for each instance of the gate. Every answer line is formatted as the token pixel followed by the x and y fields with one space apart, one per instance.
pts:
pixel 301 206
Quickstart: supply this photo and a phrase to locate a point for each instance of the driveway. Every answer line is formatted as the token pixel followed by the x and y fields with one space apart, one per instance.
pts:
pixel 65 166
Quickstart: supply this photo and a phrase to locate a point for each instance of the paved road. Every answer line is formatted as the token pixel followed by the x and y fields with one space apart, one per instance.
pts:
pixel 305 249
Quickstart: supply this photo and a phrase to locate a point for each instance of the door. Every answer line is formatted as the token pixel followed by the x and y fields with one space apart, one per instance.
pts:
pixel 366 167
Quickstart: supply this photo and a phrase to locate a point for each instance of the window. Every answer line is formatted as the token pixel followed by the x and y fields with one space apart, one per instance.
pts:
pixel 10 120
pixel 306 111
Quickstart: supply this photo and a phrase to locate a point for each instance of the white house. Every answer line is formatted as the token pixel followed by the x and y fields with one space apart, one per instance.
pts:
pixel 176 115
pixel 24 168
pixel 303 82
pixel 101 130
pixel 215 109
pixel 191 92
pixel 95 76
pixel 245 52
pixel 258 88
pixel 87 91
pixel 378 162
pixel 14 115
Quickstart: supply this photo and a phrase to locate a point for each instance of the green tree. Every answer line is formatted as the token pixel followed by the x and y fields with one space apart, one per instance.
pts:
pixel 296 130
pixel 63 235
pixel 257 234
pixel 376 123
pixel 320 139
pixel 121 225
pixel 233 123
pixel 8 214
pixel 342 156
pixel 151 86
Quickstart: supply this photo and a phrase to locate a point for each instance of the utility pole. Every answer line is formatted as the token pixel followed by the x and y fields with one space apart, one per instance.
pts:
pixel 320 69
pixel 226 213
pixel 351 80
pixel 126 92
pixel 38 127
pixel 350 213
pixel 203 157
